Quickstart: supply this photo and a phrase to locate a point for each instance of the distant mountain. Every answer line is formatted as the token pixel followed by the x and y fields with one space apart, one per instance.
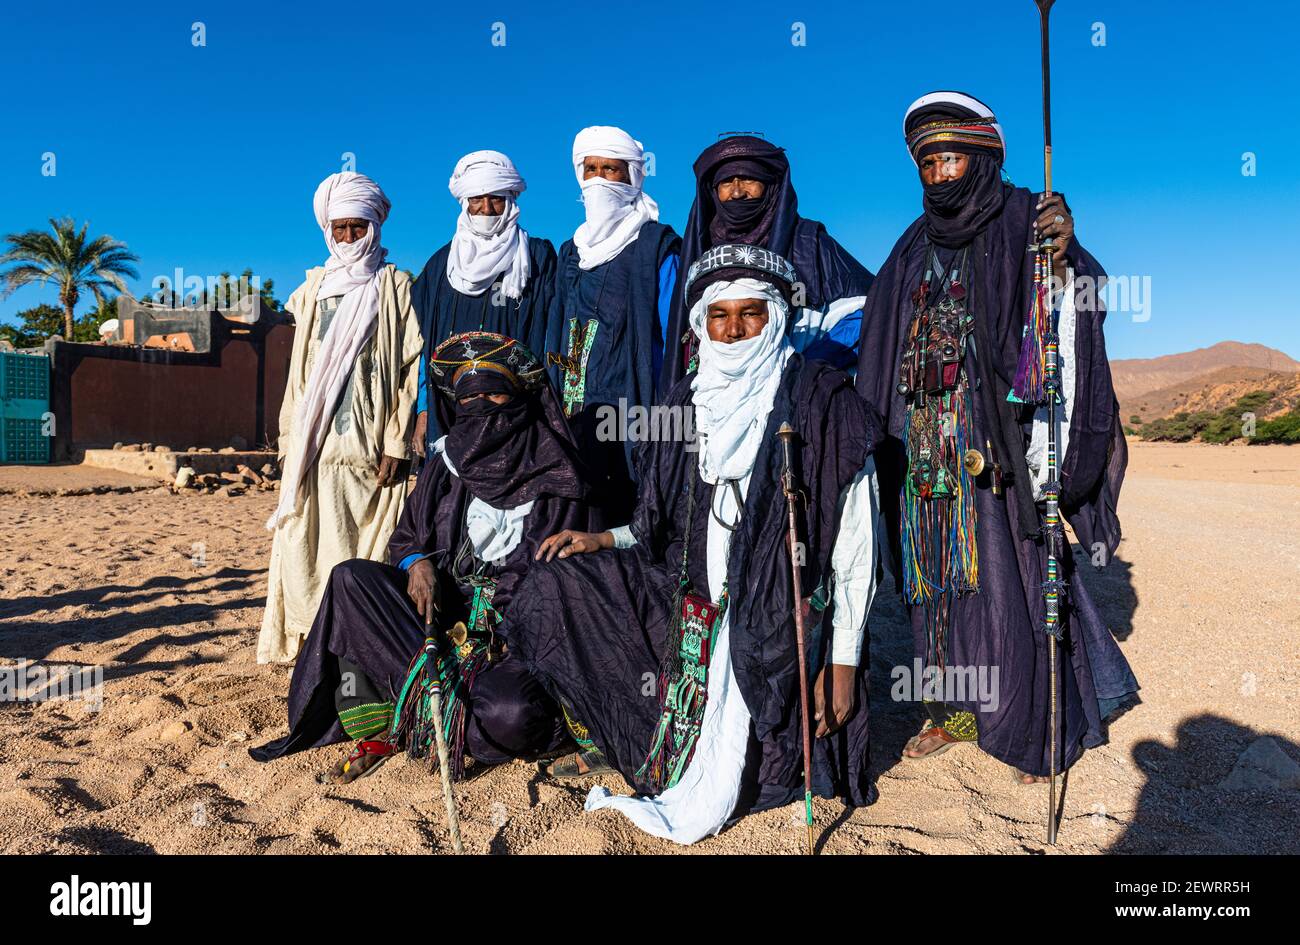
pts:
pixel 1206 379
pixel 1215 391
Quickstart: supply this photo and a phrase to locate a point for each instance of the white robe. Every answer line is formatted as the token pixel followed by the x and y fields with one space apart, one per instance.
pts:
pixel 345 514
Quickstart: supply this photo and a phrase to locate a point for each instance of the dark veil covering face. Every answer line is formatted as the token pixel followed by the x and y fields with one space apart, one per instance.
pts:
pixel 511 453
pixel 995 219
pixel 824 268
pixel 767 220
pixel 956 211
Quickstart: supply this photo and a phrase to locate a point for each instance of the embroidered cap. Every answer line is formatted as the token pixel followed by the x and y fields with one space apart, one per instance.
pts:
pixel 472 352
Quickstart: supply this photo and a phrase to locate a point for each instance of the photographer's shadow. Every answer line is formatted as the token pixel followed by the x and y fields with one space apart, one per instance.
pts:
pixel 1222 788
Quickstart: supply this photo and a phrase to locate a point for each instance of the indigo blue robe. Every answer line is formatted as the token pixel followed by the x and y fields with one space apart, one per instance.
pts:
pixel 627 299
pixel 1001 625
pixel 826 271
pixel 444 311
pixel 593 627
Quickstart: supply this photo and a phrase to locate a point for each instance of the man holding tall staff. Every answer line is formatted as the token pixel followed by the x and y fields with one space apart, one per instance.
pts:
pixel 964 468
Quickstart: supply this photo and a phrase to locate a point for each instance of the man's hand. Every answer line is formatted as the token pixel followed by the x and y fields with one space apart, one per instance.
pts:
pixel 570 542
pixel 1061 234
pixel 386 475
pixel 420 432
pixel 833 696
pixel 422 588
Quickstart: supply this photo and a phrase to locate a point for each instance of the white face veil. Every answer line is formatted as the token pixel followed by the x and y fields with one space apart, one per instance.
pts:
pixel 353 271
pixel 735 384
pixel 350 196
pixel 487 247
pixel 615 211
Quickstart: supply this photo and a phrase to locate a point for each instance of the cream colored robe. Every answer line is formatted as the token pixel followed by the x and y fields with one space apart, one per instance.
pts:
pixel 345 514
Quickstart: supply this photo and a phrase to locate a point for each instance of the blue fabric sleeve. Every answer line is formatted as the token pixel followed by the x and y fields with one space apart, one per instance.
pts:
pixel 667 285
pixel 409 560
pixel 839 346
pixel 422 398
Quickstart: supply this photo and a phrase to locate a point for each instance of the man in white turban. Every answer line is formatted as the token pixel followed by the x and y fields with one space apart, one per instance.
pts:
pixel 347 411
pixel 492 276
pixel 616 282
pixel 696 592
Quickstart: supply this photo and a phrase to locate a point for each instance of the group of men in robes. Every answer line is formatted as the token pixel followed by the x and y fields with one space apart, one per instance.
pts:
pixel 608 605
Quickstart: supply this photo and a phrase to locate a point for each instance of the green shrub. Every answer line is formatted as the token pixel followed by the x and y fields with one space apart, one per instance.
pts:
pixel 1283 429
pixel 1221 427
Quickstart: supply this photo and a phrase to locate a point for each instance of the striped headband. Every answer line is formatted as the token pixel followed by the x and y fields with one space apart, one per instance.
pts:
pixel 980 133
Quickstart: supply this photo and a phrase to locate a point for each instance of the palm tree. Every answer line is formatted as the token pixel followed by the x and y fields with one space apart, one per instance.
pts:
pixel 66 258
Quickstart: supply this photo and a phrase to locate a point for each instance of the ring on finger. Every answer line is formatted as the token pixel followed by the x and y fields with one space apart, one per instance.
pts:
pixel 1058 219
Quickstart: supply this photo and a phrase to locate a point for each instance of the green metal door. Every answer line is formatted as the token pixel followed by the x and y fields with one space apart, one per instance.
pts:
pixel 26 426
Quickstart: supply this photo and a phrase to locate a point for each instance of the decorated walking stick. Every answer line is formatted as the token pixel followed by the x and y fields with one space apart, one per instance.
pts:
pixel 444 764
pixel 791 489
pixel 1043 322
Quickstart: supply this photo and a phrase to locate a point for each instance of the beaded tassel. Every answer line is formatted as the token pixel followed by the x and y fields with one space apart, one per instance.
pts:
pixel 940 554
pixel 1030 384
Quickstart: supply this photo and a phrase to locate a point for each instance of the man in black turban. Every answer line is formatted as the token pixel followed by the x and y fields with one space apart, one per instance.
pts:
pixel 744 196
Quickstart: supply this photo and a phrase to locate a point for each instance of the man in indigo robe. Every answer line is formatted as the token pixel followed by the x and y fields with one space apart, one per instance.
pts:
pixel 616 279
pixel 964 466
pixel 502 479
pixel 744 195
pixel 492 276
pixel 706 558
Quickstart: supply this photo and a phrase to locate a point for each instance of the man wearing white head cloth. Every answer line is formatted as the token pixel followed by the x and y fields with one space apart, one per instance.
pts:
pixel 492 276
pixel 696 592
pixel 616 280
pixel 346 415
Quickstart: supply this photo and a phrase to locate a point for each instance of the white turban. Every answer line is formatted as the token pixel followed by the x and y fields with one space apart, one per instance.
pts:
pixel 735 384
pixel 615 211
pixel 488 246
pixel 353 270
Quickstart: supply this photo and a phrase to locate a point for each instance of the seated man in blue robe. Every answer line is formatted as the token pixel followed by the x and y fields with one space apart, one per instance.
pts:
pixel 616 278
pixel 492 276
pixel 503 478
pixel 670 642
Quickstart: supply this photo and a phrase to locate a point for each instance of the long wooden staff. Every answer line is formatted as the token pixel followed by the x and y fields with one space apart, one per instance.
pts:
pixel 444 764
pixel 1053 587
pixel 791 489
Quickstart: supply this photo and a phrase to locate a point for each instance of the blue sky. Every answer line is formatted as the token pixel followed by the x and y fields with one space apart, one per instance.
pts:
pixel 205 158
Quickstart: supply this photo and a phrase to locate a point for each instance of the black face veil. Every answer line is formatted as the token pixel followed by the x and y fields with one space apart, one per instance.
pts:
pixel 508 453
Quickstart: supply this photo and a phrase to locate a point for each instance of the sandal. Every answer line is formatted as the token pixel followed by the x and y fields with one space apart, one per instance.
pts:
pixel 365 757
pixel 571 766
pixel 1019 777
pixel 929 730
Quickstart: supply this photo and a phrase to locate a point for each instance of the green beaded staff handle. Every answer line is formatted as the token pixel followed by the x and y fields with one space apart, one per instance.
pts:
pixel 791 489
pixel 444 764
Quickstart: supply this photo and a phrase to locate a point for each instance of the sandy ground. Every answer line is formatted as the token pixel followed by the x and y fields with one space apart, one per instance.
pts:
pixel 165 594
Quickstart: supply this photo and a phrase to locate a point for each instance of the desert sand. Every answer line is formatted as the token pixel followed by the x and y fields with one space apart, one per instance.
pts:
pixel 165 592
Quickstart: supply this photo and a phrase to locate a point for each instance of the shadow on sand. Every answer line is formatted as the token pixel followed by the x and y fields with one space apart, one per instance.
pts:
pixel 1193 804
pixel 178 624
